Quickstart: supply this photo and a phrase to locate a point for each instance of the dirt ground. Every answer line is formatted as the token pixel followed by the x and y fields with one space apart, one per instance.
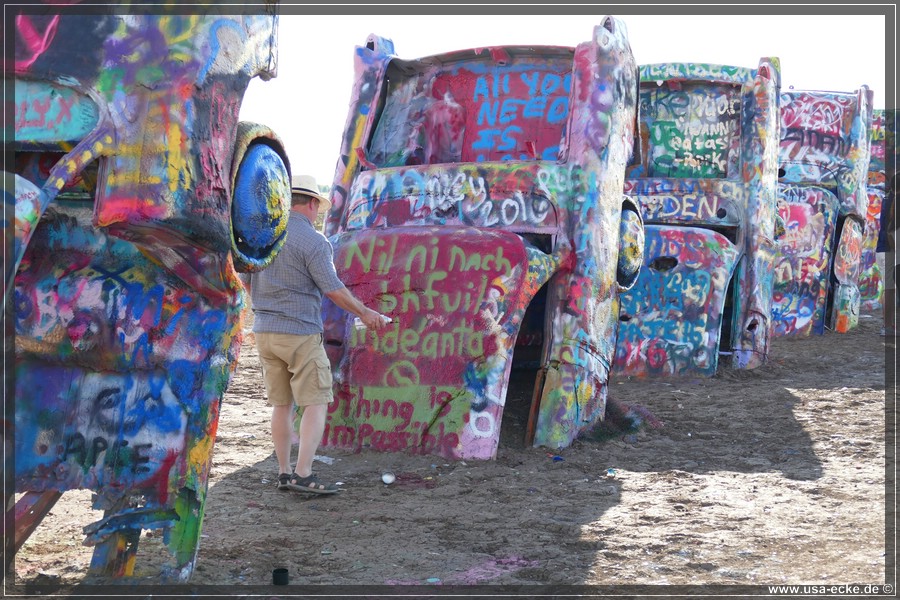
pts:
pixel 772 476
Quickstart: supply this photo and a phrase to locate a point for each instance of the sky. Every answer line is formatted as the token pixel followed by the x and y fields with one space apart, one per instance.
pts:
pixel 306 104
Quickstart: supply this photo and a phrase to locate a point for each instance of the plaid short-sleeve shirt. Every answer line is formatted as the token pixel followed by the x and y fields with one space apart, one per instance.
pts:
pixel 287 295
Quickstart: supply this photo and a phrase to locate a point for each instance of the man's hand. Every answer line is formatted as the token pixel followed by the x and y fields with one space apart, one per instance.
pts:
pixel 374 319
pixel 370 318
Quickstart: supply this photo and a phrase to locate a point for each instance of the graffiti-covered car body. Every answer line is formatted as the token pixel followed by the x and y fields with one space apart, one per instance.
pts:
pixel 470 183
pixel 823 201
pixel 138 197
pixel 706 188
pixel 871 283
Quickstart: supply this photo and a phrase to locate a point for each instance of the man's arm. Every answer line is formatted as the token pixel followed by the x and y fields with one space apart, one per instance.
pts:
pixel 346 300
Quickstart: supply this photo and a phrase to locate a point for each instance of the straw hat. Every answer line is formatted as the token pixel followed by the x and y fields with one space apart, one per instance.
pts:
pixel 306 185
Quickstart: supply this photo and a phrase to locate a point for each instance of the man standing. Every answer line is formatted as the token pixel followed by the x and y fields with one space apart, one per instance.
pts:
pixel 286 298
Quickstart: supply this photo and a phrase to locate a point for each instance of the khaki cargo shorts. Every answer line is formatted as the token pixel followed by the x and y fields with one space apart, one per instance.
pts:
pixel 295 368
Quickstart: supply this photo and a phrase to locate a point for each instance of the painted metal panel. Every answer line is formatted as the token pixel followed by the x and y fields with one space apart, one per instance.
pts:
pixel 825 139
pixel 52 113
pixel 671 319
pixel 456 296
pixel 845 312
pixel 506 195
pixel 803 267
pixel 692 129
pixel 712 203
pixel 871 285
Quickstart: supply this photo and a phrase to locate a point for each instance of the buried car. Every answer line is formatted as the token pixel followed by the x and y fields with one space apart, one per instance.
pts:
pixel 706 183
pixel 478 201
pixel 138 198
pixel 823 201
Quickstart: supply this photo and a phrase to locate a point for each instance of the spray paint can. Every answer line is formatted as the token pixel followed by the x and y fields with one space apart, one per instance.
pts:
pixel 357 322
